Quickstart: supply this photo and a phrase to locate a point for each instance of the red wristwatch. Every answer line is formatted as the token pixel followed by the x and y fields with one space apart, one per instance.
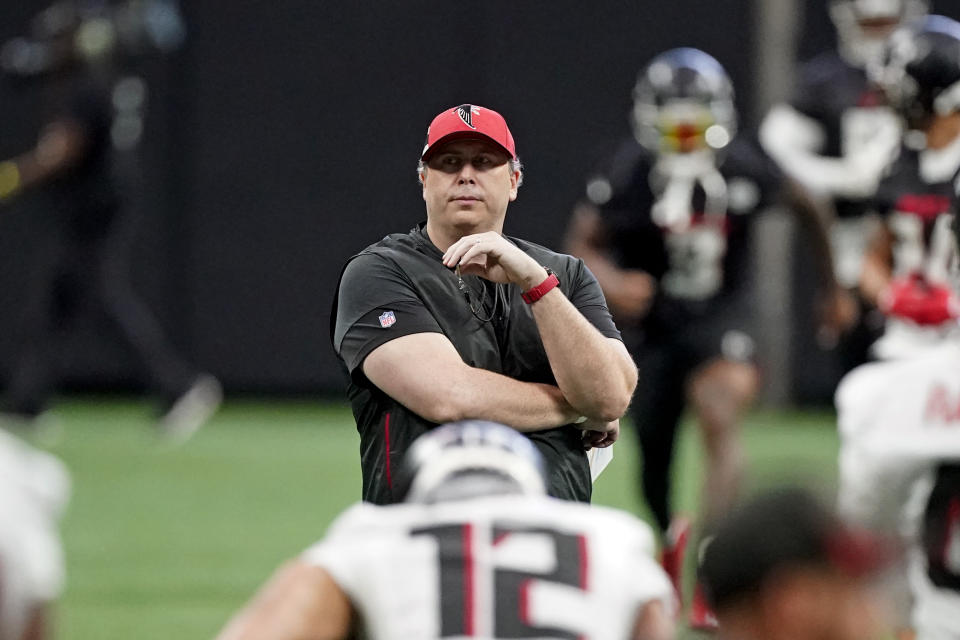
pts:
pixel 532 295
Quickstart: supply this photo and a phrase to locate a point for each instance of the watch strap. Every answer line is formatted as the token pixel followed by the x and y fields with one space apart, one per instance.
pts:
pixel 532 295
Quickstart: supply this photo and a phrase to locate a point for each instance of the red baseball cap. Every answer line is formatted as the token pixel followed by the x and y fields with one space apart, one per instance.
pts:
pixel 465 122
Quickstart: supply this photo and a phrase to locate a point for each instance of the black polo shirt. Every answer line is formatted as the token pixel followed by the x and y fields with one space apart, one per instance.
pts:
pixel 399 286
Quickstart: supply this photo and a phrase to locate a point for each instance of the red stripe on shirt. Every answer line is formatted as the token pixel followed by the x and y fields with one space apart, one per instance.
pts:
pixel 524 602
pixel 584 568
pixel 386 438
pixel 953 521
pixel 924 206
pixel 584 562
pixel 468 613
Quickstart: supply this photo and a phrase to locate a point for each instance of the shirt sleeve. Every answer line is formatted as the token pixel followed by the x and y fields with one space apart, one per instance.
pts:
pixel 376 303
pixel 808 96
pixel 649 581
pixel 587 297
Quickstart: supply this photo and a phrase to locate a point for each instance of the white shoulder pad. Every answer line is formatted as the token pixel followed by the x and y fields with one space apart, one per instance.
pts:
pixel 855 396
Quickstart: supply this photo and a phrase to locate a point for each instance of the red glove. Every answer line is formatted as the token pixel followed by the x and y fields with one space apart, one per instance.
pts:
pixel 916 299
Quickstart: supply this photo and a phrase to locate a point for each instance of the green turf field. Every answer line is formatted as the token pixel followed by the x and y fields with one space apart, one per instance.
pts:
pixel 165 543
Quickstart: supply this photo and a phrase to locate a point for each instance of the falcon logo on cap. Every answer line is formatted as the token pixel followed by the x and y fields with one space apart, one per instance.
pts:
pixel 466 111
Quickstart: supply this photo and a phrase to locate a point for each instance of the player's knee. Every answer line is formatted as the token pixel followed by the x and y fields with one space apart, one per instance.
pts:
pixel 720 393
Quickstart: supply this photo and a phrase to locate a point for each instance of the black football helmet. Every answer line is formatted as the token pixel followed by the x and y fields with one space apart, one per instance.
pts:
pixel 920 70
pixel 864 25
pixel 470 459
pixel 683 102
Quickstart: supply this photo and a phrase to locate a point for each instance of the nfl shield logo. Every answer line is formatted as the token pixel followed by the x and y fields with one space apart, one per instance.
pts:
pixel 387 319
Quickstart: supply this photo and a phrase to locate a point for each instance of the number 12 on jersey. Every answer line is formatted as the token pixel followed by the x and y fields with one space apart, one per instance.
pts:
pixel 562 561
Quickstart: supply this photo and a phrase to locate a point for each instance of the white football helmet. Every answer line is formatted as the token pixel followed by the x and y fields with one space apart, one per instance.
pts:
pixel 470 459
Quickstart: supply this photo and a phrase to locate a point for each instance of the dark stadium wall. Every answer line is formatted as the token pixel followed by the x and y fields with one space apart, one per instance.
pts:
pixel 284 138
pixel 308 121
pixel 93 358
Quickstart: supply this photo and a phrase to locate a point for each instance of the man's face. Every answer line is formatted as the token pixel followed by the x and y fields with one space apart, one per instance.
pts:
pixel 469 183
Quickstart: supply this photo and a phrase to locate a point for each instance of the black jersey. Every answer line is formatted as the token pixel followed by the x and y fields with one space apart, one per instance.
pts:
pixel 840 98
pixel 912 202
pixel 399 286
pixel 699 266
pixel 88 195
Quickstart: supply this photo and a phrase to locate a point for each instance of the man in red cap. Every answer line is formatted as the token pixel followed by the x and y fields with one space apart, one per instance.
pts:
pixel 453 320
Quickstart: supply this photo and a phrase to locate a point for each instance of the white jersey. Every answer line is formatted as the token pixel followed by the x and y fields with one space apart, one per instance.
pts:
pixel 495 567
pixel 900 472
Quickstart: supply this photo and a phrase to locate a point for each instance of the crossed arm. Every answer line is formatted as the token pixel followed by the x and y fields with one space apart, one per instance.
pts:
pixel 424 372
pixel 595 375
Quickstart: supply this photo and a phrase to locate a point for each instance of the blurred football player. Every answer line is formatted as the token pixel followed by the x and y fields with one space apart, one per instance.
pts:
pixel 666 229
pixel 85 161
pixel 477 549
pixel 899 418
pixel 835 137
pixel 34 490
pixel 906 267
pixel 783 567
pixel 899 424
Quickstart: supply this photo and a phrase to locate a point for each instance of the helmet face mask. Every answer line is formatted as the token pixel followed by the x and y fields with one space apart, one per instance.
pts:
pixel 863 25
pixel 468 459
pixel 683 102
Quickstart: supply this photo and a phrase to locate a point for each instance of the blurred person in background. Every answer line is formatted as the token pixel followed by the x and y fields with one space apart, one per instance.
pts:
pixel 85 163
pixel 455 320
pixel 906 267
pixel 899 424
pixel 835 137
pixel 783 567
pixel 476 549
pixel 899 418
pixel 34 491
pixel 666 228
